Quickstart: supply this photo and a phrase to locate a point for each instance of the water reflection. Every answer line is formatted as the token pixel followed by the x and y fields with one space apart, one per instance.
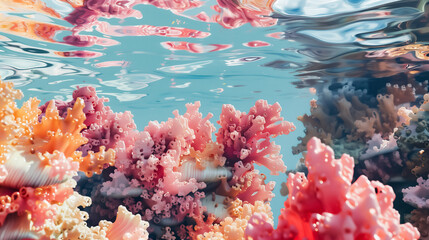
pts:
pixel 346 43
pixel 365 60
pixel 22 71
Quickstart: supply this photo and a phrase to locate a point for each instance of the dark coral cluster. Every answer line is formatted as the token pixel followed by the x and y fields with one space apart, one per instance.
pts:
pixel 385 129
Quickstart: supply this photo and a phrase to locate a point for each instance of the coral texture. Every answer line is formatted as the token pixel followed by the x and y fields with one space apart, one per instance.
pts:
pixel 418 196
pixel 174 175
pixel 377 130
pixel 38 158
pixel 413 140
pixel 326 205
pixel 70 224
pixel 232 228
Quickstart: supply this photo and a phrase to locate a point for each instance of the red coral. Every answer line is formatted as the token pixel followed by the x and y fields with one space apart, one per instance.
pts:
pixel 327 206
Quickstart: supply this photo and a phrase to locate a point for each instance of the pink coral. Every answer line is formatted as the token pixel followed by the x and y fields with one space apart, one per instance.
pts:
pixel 325 205
pixel 172 169
pixel 246 137
pixel 154 163
pixel 418 196
pixel 104 127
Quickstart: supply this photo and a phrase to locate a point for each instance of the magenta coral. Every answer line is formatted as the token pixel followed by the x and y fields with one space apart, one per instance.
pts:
pixel 326 205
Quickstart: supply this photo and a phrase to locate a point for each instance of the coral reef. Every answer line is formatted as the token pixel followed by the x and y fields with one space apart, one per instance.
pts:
pixel 246 136
pixel 413 139
pixel 346 120
pixel 172 181
pixel 103 126
pixel 371 127
pixel 418 196
pixel 172 173
pixel 326 205
pixel 69 223
pixel 175 176
pixel 386 134
pixel 39 156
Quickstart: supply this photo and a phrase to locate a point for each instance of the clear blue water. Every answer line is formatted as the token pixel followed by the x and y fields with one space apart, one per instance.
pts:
pixel 319 43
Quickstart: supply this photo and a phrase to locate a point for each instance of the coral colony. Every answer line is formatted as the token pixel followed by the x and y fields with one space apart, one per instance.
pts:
pixel 78 170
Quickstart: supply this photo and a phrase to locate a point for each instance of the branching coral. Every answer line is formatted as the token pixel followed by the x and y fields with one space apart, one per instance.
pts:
pixel 326 205
pixel 413 140
pixel 188 186
pixel 246 137
pixel 172 170
pixel 70 224
pixel 402 94
pixel 103 126
pixel 381 160
pixel 418 196
pixel 352 121
pixel 343 117
pixel 39 158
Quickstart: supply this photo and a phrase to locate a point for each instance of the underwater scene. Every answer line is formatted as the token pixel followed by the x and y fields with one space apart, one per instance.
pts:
pixel 214 119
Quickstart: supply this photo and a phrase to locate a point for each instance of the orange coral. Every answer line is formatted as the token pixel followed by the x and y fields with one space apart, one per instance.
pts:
pixel 39 158
pixel 212 153
pixel 56 133
pixel 94 162
pixel 9 126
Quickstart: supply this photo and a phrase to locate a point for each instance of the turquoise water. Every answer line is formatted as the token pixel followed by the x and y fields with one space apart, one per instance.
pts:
pixel 315 45
pixel 152 81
